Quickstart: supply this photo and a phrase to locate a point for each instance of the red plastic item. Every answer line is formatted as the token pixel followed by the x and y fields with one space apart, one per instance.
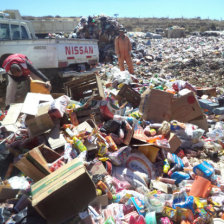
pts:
pixel 139 220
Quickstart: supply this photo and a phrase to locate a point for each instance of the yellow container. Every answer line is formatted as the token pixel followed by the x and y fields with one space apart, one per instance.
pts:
pixel 37 86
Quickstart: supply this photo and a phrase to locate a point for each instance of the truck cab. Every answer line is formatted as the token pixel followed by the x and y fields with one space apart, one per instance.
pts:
pixel 52 56
pixel 15 29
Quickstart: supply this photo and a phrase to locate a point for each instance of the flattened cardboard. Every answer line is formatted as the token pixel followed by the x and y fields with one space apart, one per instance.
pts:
pixel 11 118
pixel 12 114
pixel 65 192
pixel 32 102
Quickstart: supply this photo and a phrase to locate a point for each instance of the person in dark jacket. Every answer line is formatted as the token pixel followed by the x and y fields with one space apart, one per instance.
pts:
pixel 19 68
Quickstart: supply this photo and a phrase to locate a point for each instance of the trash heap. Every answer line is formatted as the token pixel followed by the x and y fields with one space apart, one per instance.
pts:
pixel 197 60
pixel 114 149
pixel 103 28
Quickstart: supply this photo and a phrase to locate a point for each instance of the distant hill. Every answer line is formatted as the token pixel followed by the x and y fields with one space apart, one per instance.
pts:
pixel 150 24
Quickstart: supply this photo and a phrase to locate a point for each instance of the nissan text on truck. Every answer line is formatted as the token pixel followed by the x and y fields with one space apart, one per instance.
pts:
pixel 56 58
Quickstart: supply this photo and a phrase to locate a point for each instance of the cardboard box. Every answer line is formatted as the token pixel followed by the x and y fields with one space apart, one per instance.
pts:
pixel 150 151
pixel 34 162
pixel 6 192
pixel 65 192
pixel 130 95
pixel 201 122
pixel 174 142
pixel 32 101
pixel 185 107
pixel 39 125
pixel 157 106
pixel 36 106
pixel 84 87
pixel 210 91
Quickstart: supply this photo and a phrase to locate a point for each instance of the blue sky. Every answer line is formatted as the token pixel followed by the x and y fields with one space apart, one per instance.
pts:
pixel 212 9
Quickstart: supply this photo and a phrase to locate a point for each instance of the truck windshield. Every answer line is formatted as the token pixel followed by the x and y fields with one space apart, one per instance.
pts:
pixel 4 31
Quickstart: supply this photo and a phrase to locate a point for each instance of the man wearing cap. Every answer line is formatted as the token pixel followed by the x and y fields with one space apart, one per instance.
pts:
pixel 123 50
pixel 19 68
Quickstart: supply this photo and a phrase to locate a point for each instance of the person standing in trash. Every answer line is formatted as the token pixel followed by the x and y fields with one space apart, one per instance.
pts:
pixel 19 68
pixel 123 51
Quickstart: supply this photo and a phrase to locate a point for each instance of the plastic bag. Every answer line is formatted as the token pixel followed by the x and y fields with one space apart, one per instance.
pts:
pixel 58 106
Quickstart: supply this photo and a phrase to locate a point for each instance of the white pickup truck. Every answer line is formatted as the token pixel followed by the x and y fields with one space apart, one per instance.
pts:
pixel 49 55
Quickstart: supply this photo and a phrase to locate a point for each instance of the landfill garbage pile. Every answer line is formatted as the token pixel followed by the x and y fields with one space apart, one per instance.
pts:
pixel 114 148
pixel 103 28
pixel 198 60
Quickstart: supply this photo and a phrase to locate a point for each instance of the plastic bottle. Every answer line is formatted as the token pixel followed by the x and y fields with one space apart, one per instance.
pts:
pixel 173 158
pixel 77 142
pixel 79 145
pixel 166 166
